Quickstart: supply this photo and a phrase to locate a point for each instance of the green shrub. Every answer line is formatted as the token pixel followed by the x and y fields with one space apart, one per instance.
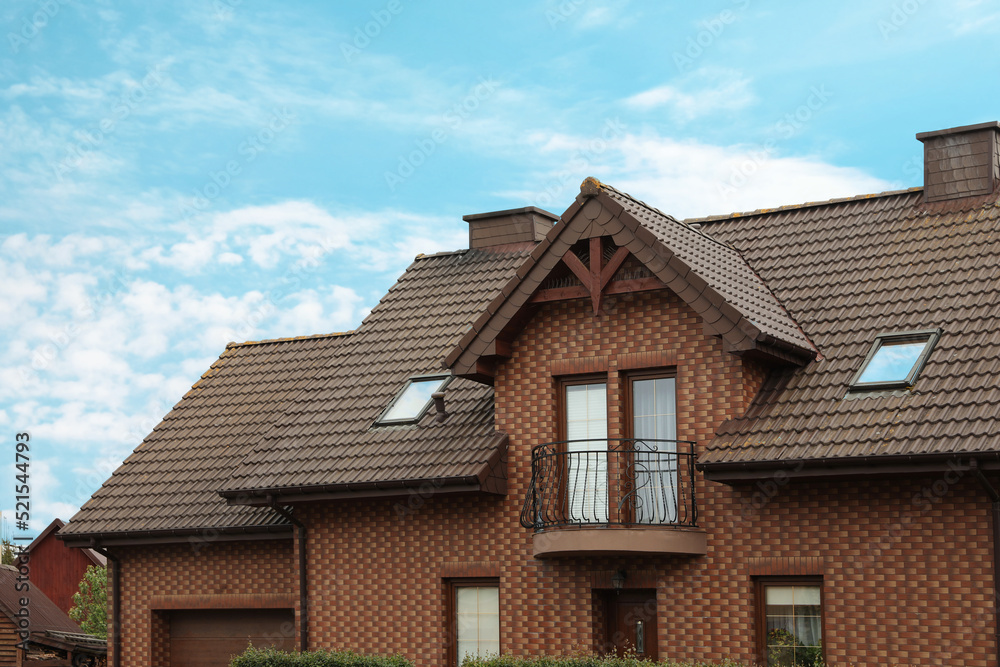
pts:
pixel 269 657
pixel 586 661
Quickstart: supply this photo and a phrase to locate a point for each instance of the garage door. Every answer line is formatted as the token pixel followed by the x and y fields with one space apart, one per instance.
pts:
pixel 209 638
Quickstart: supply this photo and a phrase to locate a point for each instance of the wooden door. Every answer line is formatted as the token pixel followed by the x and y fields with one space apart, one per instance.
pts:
pixel 631 623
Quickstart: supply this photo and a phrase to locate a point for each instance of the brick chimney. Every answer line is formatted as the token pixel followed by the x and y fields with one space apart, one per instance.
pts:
pixel 961 162
pixel 516 225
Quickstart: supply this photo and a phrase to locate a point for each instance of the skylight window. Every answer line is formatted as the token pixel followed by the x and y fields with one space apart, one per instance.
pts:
pixel 895 360
pixel 413 400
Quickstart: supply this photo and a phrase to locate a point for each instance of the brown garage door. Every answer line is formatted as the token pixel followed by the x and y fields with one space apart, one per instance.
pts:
pixel 209 638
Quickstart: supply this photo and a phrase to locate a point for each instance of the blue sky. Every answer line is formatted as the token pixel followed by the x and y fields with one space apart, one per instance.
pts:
pixel 179 175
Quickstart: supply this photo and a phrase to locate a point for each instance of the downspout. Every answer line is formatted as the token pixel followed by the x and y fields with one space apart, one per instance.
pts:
pixel 995 500
pixel 116 602
pixel 303 591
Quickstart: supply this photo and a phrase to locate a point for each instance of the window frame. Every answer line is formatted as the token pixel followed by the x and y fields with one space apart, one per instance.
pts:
pixel 382 421
pixel 451 610
pixel 760 585
pixel 629 408
pixel 928 336
pixel 574 380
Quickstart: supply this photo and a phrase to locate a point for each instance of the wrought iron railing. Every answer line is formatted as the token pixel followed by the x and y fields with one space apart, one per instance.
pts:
pixel 616 481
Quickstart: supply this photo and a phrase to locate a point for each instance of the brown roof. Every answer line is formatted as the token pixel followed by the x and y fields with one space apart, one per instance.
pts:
pixel 44 614
pixel 170 483
pixel 325 440
pixel 724 269
pixel 710 276
pixel 296 416
pixel 849 270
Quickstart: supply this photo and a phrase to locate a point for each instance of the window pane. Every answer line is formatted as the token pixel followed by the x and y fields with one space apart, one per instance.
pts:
pixel 586 470
pixel 414 398
pixel 893 362
pixel 780 595
pixel 654 418
pixel 477 622
pixel 794 625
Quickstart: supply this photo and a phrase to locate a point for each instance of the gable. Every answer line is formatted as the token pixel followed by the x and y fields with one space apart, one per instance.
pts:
pixel 587 248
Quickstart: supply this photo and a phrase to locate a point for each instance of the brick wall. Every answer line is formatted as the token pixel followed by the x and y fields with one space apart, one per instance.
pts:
pixel 906 563
pixel 220 574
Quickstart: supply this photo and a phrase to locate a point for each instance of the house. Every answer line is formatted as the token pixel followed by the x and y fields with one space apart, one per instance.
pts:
pixel 35 631
pixel 764 436
pixel 56 569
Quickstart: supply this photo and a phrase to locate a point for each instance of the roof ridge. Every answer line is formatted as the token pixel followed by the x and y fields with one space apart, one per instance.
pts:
pixel 672 218
pixel 289 339
pixel 809 204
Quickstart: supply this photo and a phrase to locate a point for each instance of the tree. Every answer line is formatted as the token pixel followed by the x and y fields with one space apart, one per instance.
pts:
pixel 90 603
pixel 6 545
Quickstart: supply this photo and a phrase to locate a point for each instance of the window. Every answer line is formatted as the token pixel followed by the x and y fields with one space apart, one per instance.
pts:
pixel 475 614
pixel 585 426
pixel 790 622
pixel 412 401
pixel 654 427
pixel 895 360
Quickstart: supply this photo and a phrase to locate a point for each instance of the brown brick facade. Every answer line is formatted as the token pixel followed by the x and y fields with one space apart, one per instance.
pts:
pixel 905 562
pixel 207 574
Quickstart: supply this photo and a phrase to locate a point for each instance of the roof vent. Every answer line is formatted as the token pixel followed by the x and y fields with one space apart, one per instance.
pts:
pixel 961 162
pixel 517 225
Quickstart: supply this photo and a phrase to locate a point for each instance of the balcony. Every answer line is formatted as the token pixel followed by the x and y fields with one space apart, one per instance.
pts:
pixel 613 497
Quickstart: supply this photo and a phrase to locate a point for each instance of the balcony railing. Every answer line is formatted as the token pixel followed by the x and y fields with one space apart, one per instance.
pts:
pixel 632 482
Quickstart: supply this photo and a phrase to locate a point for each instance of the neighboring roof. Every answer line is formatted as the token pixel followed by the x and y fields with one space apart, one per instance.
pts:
pixel 74 641
pixel 325 440
pixel 848 270
pixel 169 485
pixel 44 614
pixel 711 277
pixel 95 558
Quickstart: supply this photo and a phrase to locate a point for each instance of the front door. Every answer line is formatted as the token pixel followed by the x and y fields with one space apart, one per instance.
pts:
pixel 631 623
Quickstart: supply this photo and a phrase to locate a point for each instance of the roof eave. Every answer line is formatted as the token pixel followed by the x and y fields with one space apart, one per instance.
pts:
pixel 179 535
pixel 285 495
pixel 843 467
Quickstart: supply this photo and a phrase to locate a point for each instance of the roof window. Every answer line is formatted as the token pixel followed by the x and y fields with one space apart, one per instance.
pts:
pixel 895 360
pixel 413 400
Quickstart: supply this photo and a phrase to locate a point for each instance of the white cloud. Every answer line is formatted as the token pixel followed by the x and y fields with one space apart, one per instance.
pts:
pixel 702 93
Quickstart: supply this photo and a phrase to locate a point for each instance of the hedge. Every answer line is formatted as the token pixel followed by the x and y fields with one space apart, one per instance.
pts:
pixel 270 657
pixel 586 661
pixel 273 658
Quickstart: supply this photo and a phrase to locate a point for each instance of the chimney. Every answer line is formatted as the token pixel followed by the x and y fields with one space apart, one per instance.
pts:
pixel 961 162
pixel 517 225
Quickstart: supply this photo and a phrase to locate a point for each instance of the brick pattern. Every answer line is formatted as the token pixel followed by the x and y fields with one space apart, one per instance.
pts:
pixel 214 572
pixel 960 165
pixel 906 563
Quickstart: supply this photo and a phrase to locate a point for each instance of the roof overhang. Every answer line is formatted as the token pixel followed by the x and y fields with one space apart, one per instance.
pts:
pixel 491 479
pixel 185 535
pixel 734 472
